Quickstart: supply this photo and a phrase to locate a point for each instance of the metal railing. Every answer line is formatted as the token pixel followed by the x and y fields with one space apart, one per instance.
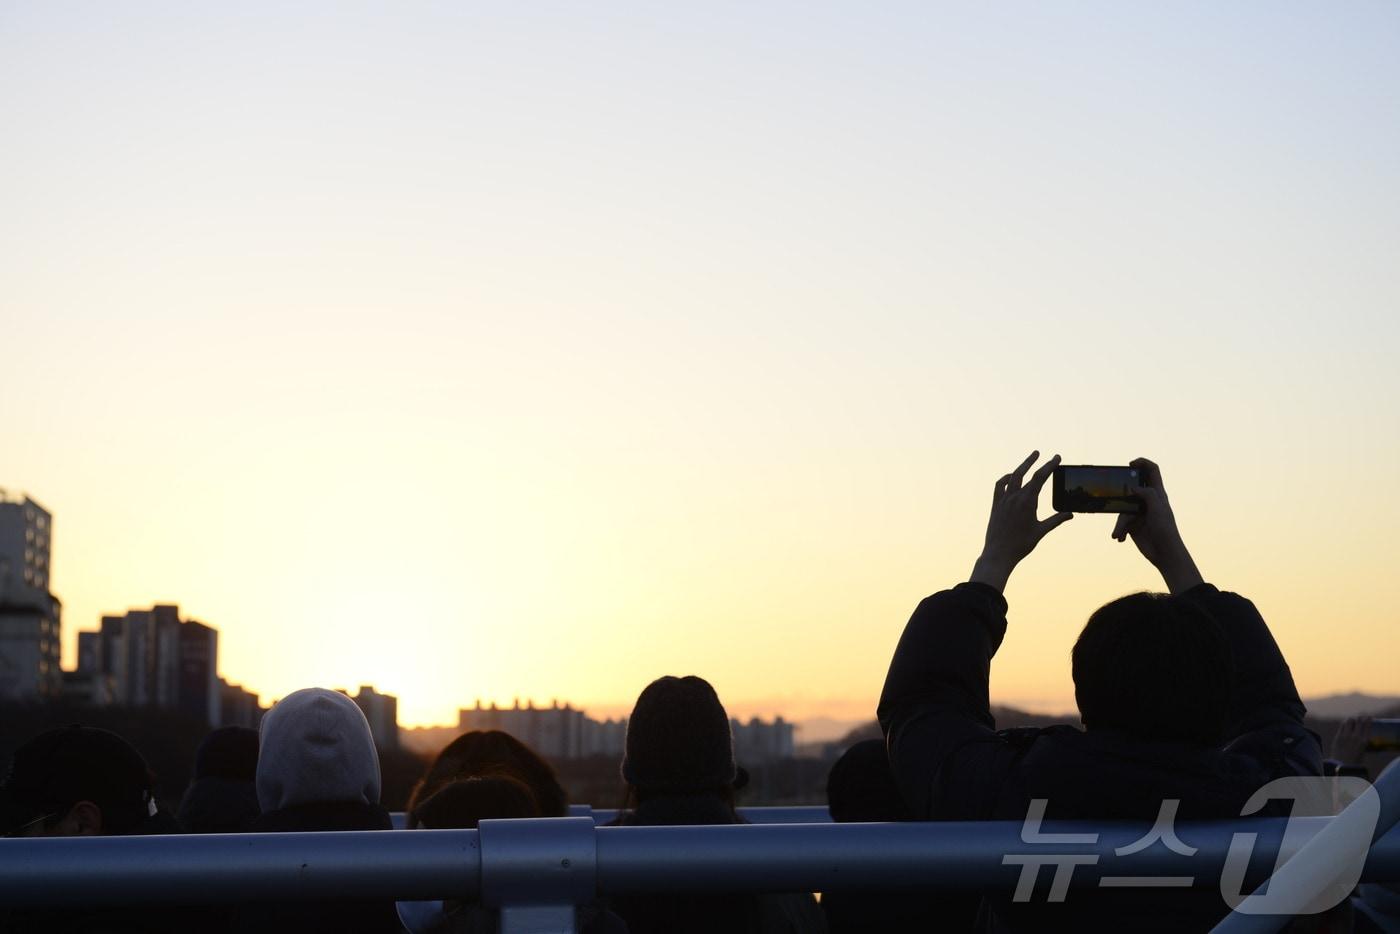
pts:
pixel 553 864
pixel 776 815
pixel 536 872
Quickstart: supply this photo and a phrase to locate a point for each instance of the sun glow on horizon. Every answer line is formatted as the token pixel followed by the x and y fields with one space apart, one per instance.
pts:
pixel 493 353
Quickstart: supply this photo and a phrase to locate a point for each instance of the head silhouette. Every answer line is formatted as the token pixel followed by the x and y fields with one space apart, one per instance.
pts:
pixel 464 803
pixel 491 752
pixel 76 781
pixel 861 786
pixel 315 746
pixel 679 740
pixel 1154 666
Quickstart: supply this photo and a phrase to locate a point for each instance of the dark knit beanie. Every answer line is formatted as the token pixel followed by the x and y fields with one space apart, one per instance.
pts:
pixel 229 752
pixel 678 738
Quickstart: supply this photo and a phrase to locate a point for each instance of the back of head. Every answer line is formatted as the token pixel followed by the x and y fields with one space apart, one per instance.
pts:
pixel 316 748
pixel 229 752
pixel 679 740
pixel 1156 667
pixel 861 785
pixel 59 768
pixel 464 803
pixel 492 752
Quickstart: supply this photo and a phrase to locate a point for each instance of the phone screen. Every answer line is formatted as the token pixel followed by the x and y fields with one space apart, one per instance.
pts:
pixel 1096 489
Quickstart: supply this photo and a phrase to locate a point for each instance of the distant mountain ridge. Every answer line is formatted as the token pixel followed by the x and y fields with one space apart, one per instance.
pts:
pixel 1352 704
pixel 824 729
pixel 1324 713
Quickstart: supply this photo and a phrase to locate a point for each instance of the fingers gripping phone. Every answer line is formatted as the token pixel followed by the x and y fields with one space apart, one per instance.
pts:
pixel 1085 488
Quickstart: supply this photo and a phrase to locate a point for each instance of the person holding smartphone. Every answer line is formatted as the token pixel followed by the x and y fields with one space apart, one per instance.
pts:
pixel 1184 696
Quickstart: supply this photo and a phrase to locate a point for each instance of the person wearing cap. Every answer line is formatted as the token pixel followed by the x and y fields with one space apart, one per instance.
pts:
pixel 679 767
pixel 78 781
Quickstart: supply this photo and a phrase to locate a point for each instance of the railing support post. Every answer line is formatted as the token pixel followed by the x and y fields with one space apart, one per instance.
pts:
pixel 537 873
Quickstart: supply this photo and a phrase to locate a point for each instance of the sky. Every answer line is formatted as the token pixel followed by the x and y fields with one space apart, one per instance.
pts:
pixel 537 350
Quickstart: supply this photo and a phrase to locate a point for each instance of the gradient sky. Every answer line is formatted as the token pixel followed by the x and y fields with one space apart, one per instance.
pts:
pixel 536 350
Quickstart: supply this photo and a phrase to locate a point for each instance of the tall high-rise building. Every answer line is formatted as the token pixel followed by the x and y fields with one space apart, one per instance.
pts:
pixel 29 613
pixel 26 536
pixel 197 692
pixel 153 659
pixel 90 651
pixel 382 712
pixel 88 685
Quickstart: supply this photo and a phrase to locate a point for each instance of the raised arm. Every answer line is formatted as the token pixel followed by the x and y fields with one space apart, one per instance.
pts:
pixel 1154 531
pixel 1262 693
pixel 934 709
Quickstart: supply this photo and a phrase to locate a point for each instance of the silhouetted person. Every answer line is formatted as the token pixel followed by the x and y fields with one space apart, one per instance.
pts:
pixel 860 788
pixel 466 802
pixel 491 752
pixel 1183 697
pixel 463 805
pixel 318 770
pixel 222 797
pixel 679 769
pixel 80 781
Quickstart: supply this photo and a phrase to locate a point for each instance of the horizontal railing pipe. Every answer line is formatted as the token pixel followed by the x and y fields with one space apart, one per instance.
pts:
pixel 426 864
pixel 802 814
pixel 211 868
pixel 779 815
pixel 945 854
pixel 951 854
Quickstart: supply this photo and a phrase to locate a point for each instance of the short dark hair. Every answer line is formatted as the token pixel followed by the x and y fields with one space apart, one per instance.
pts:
pixel 464 803
pixel 492 752
pixel 1155 666
pixel 861 786
pixel 679 740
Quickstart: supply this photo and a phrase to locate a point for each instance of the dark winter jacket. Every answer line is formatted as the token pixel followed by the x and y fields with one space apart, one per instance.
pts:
pixel 349 915
pixel 218 805
pixel 731 913
pixel 952 764
pixel 132 919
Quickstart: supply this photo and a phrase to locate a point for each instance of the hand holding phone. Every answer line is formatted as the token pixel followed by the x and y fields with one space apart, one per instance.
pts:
pixel 1013 529
pixel 1154 532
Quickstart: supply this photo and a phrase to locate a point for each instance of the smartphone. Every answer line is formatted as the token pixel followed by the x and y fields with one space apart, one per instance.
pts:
pixel 1084 488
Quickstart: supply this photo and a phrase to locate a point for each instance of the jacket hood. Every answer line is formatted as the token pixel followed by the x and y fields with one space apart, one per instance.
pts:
pixel 316 747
